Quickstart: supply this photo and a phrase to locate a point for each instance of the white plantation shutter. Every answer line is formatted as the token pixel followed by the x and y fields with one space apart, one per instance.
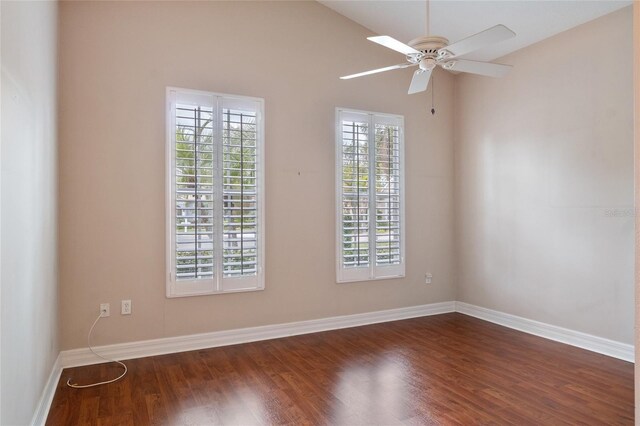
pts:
pixel 369 178
pixel 240 194
pixel 354 181
pixel 388 223
pixel 214 195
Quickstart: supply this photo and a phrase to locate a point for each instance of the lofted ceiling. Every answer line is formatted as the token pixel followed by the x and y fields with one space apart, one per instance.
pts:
pixel 532 21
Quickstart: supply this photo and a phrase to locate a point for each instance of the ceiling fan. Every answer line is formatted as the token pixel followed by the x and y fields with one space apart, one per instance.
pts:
pixel 430 51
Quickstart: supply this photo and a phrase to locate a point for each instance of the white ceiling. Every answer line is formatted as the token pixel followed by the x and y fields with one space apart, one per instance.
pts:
pixel 532 21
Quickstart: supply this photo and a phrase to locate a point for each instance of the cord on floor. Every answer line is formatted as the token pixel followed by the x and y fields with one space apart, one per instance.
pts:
pixel 90 385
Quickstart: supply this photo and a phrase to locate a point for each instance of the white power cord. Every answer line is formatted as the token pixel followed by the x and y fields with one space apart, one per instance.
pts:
pixel 77 386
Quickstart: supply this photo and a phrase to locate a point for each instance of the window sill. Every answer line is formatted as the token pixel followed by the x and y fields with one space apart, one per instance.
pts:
pixel 212 293
pixel 359 280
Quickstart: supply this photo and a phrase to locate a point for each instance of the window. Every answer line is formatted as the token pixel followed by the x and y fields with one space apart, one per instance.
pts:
pixel 215 197
pixel 370 198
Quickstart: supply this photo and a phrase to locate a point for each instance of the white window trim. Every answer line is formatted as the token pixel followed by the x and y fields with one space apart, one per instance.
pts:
pixel 371 272
pixel 217 284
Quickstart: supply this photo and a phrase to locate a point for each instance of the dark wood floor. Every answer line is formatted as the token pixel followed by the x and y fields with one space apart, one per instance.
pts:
pixel 445 369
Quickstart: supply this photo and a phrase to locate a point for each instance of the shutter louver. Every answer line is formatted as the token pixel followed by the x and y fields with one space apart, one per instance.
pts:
pixel 239 189
pixel 387 195
pixel 194 219
pixel 355 194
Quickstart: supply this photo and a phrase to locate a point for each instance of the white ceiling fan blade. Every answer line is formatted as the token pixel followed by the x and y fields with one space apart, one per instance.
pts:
pixel 474 67
pixel 420 81
pixel 392 67
pixel 478 41
pixel 393 44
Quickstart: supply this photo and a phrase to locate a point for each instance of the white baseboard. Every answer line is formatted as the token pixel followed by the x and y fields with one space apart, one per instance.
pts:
pixel 575 338
pixel 42 409
pixel 78 357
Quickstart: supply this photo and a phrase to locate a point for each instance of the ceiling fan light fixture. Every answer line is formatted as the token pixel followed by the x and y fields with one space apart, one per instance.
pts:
pixel 427 64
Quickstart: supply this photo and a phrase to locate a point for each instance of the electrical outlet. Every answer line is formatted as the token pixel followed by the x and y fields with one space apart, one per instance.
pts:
pixel 126 307
pixel 105 311
pixel 427 278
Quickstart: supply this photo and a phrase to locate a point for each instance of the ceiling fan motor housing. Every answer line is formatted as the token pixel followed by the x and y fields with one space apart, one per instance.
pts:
pixel 428 45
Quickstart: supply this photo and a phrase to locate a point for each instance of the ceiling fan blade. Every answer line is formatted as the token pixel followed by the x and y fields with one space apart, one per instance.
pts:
pixel 478 41
pixel 474 67
pixel 393 44
pixel 420 81
pixel 392 67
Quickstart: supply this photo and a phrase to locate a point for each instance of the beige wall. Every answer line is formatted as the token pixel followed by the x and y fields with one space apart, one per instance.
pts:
pixel 28 198
pixel 116 60
pixel 542 157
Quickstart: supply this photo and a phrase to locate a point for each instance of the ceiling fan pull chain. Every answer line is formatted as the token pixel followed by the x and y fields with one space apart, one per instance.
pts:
pixel 433 89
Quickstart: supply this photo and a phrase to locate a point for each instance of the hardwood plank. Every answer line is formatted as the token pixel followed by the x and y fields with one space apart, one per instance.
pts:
pixel 444 369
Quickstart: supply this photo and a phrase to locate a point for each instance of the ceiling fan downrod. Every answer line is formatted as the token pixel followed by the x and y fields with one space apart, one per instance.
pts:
pixel 427 22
